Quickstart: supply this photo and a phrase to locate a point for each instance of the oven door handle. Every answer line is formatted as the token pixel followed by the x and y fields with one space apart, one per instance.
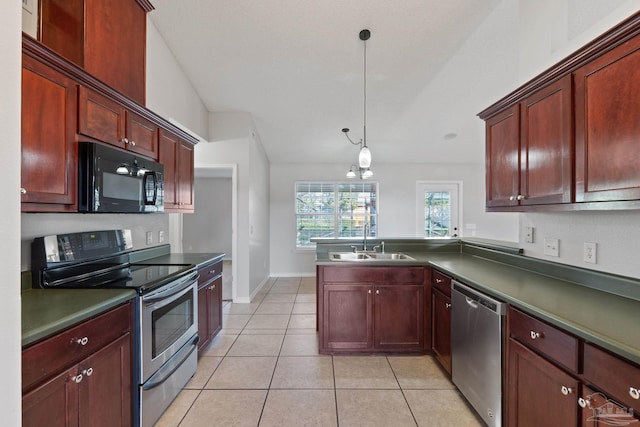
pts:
pixel 165 372
pixel 170 291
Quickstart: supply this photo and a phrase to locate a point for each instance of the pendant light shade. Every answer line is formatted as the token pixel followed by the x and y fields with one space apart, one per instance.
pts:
pixel 364 158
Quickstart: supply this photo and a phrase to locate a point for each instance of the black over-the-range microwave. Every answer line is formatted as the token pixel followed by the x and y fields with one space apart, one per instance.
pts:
pixel 117 181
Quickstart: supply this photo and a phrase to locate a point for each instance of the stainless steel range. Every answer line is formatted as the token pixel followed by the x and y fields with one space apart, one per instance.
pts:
pixel 165 311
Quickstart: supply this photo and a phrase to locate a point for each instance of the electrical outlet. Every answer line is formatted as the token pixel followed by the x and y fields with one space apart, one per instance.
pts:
pixel 589 252
pixel 149 238
pixel 528 234
pixel 551 247
pixel 161 236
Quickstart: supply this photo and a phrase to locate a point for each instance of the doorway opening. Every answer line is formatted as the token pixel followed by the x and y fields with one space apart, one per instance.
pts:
pixel 211 228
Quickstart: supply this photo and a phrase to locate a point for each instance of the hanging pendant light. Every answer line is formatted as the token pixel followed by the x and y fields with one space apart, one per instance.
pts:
pixel 364 157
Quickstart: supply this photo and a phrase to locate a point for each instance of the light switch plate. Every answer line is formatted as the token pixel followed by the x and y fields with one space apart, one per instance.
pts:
pixel 551 247
pixel 149 237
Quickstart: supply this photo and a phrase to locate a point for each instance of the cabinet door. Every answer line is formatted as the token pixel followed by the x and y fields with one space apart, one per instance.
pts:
pixel 203 317
pixel 105 390
pixel 535 394
pixel 100 118
pixel 546 153
pixel 399 317
pixel 347 317
pixel 142 136
pixel 601 411
pixel 185 176
pixel 607 126
pixel 55 403
pixel 502 158
pixel 441 328
pixel 115 43
pixel 215 307
pixel 167 152
pixel 49 153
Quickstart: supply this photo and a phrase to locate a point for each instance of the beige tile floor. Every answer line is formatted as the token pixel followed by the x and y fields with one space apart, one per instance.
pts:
pixel 263 369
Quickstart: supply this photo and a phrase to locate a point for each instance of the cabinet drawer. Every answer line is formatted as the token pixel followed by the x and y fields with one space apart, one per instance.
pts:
pixel 374 274
pixel 546 339
pixel 61 351
pixel 613 375
pixel 209 272
pixel 441 282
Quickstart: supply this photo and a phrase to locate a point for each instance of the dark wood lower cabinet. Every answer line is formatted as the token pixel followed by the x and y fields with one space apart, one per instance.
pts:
pixel 363 310
pixel 209 304
pixel 441 328
pixel 92 390
pixel 399 317
pixel 536 391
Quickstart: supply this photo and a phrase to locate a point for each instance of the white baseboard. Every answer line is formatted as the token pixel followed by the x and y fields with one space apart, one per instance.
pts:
pixel 305 274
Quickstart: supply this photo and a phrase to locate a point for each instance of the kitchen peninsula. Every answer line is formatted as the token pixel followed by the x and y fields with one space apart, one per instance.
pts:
pixel 563 323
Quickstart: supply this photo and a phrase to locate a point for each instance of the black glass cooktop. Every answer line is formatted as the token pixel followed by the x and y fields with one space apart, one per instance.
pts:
pixel 140 277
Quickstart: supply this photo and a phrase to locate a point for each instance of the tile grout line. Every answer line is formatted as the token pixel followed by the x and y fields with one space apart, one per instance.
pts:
pixel 401 390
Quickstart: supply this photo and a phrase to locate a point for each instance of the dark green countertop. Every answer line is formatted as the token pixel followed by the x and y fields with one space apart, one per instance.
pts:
pixel 603 318
pixel 48 311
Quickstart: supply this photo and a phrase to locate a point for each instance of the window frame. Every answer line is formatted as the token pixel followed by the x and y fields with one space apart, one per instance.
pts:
pixel 338 216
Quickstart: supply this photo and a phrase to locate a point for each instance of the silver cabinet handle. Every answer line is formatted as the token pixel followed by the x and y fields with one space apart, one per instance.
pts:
pixel 439 280
pixel 634 393
pixel 369 291
pixel 77 379
pixel 82 341
pixel 519 197
pixel 566 390
pixel 535 335
pixel 88 372
pixel 212 272
pixel 447 305
pixel 23 190
pixel 125 140
pixel 133 143
pixel 512 197
pixel 377 291
pixel 584 403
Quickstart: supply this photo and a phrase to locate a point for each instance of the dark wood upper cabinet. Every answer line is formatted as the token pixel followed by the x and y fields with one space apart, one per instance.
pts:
pixel 607 126
pixel 577 127
pixel 502 158
pixel 105 37
pixel 546 146
pixel 177 156
pixel 49 154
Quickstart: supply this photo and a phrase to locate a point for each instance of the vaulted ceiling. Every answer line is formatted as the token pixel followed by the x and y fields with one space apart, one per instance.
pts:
pixel 297 67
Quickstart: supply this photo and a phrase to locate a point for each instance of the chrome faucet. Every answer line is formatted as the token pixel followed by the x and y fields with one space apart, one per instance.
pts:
pixel 364 238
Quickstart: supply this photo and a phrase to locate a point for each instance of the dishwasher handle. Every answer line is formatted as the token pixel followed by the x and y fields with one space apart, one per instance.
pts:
pixel 475 298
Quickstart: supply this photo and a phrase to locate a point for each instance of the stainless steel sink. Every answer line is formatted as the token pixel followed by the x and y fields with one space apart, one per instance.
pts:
pixel 369 256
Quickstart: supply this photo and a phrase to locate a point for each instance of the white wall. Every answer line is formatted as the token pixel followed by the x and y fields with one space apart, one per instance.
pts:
pixel 10 52
pixel 234 141
pixel 209 228
pixel 169 91
pixel 568 25
pixel 397 205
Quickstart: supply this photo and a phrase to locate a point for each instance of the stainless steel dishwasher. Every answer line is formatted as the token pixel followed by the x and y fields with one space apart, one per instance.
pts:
pixel 476 350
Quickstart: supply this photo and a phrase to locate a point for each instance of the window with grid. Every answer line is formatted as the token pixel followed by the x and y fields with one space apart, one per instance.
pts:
pixel 330 210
